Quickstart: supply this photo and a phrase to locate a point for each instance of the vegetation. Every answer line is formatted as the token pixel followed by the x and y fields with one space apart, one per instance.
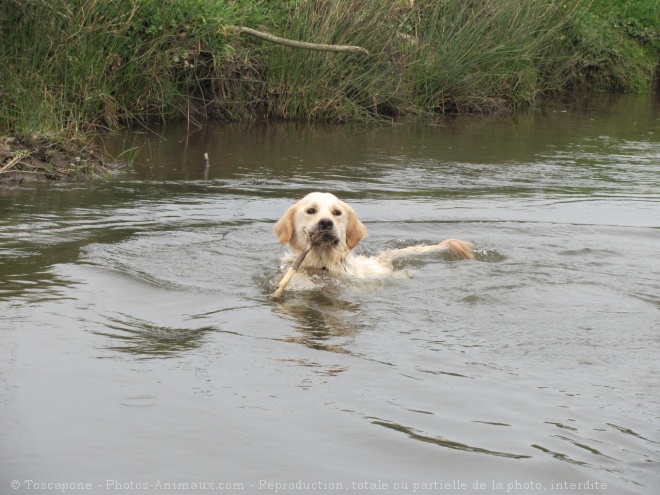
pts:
pixel 73 67
pixel 619 45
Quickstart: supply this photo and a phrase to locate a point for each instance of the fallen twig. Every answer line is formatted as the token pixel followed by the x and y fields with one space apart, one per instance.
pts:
pixel 300 44
pixel 30 172
pixel 13 162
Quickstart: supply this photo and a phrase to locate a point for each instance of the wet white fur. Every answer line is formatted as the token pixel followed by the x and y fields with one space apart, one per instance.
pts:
pixel 338 259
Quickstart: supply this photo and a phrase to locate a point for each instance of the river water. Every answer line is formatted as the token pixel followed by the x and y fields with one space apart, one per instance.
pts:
pixel 140 350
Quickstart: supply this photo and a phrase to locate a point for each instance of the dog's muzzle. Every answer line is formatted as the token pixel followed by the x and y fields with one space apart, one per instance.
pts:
pixel 325 231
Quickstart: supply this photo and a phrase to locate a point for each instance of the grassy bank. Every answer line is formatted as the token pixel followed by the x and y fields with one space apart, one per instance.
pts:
pixel 72 68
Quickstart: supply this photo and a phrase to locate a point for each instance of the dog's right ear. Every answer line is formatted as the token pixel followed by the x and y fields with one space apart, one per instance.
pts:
pixel 355 230
pixel 285 226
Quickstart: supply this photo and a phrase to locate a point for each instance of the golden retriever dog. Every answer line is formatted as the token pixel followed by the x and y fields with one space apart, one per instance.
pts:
pixel 342 231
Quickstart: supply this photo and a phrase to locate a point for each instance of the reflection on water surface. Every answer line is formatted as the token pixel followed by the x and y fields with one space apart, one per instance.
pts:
pixel 139 342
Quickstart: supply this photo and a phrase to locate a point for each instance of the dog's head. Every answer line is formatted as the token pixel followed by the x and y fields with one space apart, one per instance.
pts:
pixel 320 212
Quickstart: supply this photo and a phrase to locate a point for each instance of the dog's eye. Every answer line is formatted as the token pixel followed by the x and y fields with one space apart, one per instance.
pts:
pixel 337 213
pixel 311 211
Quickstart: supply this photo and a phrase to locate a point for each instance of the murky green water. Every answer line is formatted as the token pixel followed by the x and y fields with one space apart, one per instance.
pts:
pixel 139 346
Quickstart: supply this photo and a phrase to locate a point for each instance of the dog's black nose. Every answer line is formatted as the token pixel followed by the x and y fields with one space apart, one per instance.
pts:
pixel 325 224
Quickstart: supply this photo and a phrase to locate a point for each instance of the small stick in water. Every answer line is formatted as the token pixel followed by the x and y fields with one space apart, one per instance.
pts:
pixel 313 239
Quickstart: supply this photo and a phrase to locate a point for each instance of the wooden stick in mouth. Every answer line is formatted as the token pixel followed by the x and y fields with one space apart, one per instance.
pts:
pixel 313 239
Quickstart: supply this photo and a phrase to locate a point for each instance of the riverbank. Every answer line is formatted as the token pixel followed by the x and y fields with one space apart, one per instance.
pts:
pixel 77 68
pixel 44 158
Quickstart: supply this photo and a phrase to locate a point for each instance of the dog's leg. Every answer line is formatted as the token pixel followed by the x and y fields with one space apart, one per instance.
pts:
pixel 461 248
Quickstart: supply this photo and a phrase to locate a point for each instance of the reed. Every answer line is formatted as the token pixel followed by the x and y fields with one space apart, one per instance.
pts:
pixel 490 55
pixel 73 66
pixel 426 57
pixel 308 85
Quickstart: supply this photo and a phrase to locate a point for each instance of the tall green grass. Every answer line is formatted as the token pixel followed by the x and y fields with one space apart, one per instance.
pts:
pixel 75 65
pixel 488 55
pixel 619 43
pixel 426 56
pixel 311 85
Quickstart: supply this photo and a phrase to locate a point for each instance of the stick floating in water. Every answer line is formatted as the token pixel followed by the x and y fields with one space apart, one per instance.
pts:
pixel 313 239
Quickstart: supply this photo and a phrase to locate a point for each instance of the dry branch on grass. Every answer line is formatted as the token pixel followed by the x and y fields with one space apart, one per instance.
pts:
pixel 301 44
pixel 15 160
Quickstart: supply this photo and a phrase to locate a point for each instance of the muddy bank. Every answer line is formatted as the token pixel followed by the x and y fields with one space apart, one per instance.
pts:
pixel 45 159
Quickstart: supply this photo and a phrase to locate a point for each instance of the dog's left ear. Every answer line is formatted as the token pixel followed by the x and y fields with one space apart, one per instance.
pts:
pixel 355 230
pixel 285 226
